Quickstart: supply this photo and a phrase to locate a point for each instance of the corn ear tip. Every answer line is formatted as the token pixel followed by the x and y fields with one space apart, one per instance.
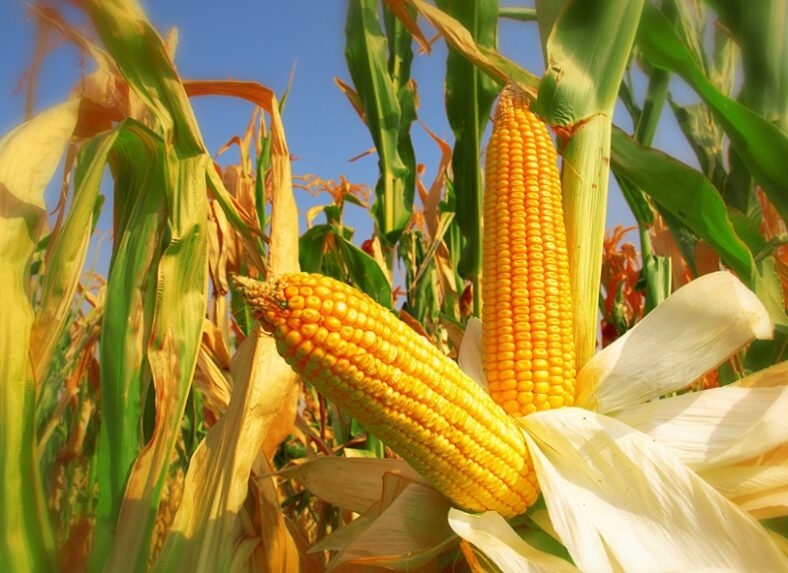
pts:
pixel 514 91
pixel 244 285
pixel 252 290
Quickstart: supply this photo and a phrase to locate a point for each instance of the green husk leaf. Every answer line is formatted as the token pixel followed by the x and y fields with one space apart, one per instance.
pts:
pixel 587 49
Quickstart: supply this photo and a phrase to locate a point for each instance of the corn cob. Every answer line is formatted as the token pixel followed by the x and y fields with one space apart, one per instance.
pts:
pixel 400 387
pixel 527 337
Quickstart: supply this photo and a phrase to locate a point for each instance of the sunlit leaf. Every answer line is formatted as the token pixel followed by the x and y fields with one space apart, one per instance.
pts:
pixel 260 414
pixel 490 533
pixel 67 254
pixel 695 329
pixel 715 427
pixel 667 180
pixel 587 50
pixel 29 156
pixel 202 536
pixel 469 98
pixel 365 52
pixel 407 531
pixel 353 484
pixel 470 355
pixel 761 145
pixel 619 501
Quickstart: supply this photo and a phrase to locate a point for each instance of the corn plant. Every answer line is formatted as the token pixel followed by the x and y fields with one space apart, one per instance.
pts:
pixel 239 394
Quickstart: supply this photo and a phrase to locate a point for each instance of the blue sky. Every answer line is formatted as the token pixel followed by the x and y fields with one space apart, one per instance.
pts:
pixel 262 41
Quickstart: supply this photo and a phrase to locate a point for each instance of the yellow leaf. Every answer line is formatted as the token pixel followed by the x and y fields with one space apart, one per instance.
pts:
pixel 353 484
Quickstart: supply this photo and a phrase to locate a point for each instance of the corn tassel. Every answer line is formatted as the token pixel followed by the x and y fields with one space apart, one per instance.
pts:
pixel 400 387
pixel 528 346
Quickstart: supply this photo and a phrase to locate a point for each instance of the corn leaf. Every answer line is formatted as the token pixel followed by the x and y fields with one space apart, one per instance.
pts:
pixel 462 40
pixel 686 194
pixel 29 156
pixel 366 273
pixel 66 254
pixel 399 42
pixel 760 144
pixel 179 298
pixel 470 355
pixel 408 529
pixel 758 485
pixel 140 209
pixel 759 27
pixel 517 13
pixel 172 353
pixel 366 57
pixel 202 536
pixel 469 98
pixel 261 409
pixel 350 483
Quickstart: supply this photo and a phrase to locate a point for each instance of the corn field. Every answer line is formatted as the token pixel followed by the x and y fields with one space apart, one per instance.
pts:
pixel 490 381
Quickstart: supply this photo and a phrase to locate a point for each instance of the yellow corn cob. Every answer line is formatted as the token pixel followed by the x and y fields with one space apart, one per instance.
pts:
pixel 400 387
pixel 528 348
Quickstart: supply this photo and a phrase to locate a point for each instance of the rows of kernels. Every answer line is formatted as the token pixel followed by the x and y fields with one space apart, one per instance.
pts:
pixel 404 390
pixel 528 349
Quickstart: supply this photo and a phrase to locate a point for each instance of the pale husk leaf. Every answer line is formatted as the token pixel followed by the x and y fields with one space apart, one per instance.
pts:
pixel 776 375
pixel 693 331
pixel 759 486
pixel 620 501
pixel 216 485
pixel 716 427
pixel 498 541
pixel 470 354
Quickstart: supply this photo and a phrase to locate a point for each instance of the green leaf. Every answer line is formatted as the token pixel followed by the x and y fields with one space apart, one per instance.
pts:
pixel 761 145
pixel 759 28
pixel 588 47
pixel 141 214
pixel 747 230
pixel 469 97
pixel 656 274
pixel 343 261
pixel 770 291
pixel 587 53
pixel 636 201
pixel 310 248
pixel 686 194
pixel 366 56
pixel 176 294
pixel 29 156
pixel 705 137
pixel 367 274
pixel 67 251
pixel 517 13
